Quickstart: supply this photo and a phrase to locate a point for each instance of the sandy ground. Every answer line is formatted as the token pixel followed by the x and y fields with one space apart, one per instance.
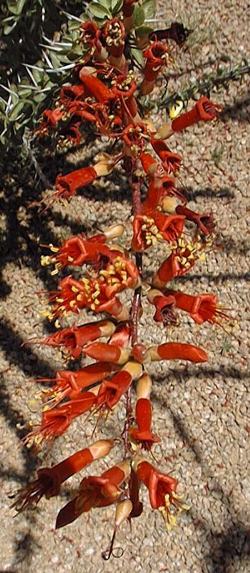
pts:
pixel 200 412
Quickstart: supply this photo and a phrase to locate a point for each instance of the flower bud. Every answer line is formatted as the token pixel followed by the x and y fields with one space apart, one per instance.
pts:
pixel 101 448
pixel 123 511
pixel 144 386
pixel 169 204
pixel 114 231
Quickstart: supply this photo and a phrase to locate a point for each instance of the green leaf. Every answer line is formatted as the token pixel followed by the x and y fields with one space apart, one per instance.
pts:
pixel 9 26
pixel 149 8
pixel 105 4
pixel 143 31
pixel 138 16
pixel 16 110
pixel 137 56
pixel 39 97
pixel 24 91
pixel 116 6
pixel 99 11
pixel 16 6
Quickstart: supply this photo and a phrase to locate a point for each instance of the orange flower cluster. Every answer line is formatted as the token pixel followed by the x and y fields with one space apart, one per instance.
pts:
pixel 106 93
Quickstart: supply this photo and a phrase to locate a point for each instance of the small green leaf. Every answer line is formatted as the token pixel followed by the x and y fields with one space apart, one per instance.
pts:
pixel 149 8
pixel 116 6
pixel 137 56
pixel 143 31
pixel 138 16
pixel 16 6
pixel 24 91
pixel 9 26
pixel 105 4
pixel 16 110
pixel 39 97
pixel 98 11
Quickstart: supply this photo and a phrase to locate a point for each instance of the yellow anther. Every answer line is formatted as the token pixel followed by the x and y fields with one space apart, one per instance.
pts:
pixel 154 229
pixel 181 243
pixel 124 274
pixel 95 295
pixel 45 260
pixel 74 289
pixel 44 313
pixel 86 282
pixel 53 249
pixel 70 259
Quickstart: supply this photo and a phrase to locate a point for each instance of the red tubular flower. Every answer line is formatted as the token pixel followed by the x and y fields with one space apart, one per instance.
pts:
pixel 162 491
pixel 49 480
pixel 181 260
pixel 75 337
pixel 155 56
pixel 53 116
pixel 124 87
pixel 121 336
pixel 69 95
pixel 153 227
pixel 75 252
pixel 95 492
pixel 164 305
pixel 170 160
pixel 143 416
pixel 119 274
pixel 97 293
pixel 134 137
pixel 115 308
pixel 56 421
pixel 204 110
pixel 168 270
pixel 68 185
pixel 159 188
pixel 202 308
pixel 177 351
pixel 95 87
pixel 107 352
pixel 204 221
pixel 90 36
pixel 69 384
pixel 80 250
pixel 134 495
pixel 112 390
pixel 71 296
pixel 149 163
pixel 114 34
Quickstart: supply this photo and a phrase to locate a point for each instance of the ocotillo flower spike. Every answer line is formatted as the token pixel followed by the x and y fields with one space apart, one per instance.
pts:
pixel 102 290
